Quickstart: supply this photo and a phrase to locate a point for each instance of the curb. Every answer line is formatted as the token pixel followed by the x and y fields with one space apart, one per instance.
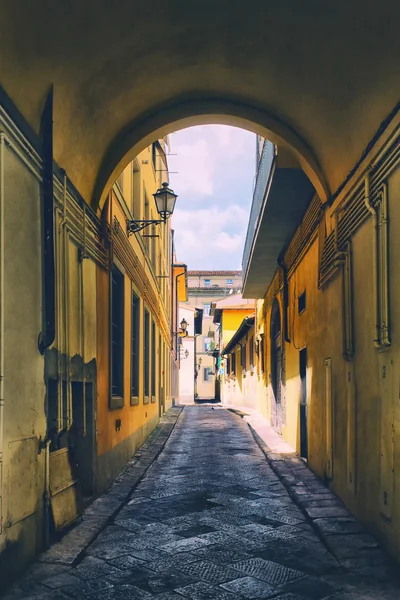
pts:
pixel 326 513
pixel 69 550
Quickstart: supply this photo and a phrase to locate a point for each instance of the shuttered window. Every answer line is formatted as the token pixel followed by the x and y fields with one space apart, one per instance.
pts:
pixel 135 345
pixel 146 352
pixel 117 332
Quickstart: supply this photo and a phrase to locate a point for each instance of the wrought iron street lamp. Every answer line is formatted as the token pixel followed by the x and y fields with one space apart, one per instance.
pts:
pixel 165 200
pixel 182 331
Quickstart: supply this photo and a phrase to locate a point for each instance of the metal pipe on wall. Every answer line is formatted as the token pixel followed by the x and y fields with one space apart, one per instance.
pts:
pixel 82 256
pixel 47 494
pixel 375 277
pixel 2 278
pixel 384 268
pixel 47 335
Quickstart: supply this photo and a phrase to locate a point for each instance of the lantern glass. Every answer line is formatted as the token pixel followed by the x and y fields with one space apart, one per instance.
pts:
pixel 165 200
pixel 184 325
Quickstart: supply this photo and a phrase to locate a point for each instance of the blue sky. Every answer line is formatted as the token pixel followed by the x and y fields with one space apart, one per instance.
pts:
pixel 215 167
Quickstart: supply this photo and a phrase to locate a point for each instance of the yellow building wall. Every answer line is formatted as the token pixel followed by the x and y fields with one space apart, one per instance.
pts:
pixel 231 320
pixel 141 260
pixel 365 449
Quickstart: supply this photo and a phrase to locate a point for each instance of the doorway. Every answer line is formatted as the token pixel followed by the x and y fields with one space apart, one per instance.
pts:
pixel 303 404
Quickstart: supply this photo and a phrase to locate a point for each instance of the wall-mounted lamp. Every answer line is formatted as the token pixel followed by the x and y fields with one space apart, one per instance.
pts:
pixel 182 331
pixel 186 354
pixel 165 200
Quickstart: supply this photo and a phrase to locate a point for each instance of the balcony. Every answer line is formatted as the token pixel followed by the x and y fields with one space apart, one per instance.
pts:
pixel 281 195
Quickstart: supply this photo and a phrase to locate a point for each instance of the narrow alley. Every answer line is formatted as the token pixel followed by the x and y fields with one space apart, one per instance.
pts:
pixel 211 519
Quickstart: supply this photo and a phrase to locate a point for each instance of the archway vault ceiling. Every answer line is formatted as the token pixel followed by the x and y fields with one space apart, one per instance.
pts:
pixel 319 77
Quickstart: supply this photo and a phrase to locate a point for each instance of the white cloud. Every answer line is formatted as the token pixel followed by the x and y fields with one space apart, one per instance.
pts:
pixel 196 168
pixel 215 165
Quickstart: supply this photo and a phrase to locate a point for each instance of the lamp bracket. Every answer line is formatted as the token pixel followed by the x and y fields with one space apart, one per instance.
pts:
pixel 133 226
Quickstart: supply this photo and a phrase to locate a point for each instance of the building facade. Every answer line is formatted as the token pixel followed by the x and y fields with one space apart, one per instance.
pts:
pixel 326 327
pixel 205 288
pixel 86 315
pixel 233 317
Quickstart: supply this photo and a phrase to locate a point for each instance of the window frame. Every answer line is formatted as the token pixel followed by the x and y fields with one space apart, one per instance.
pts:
pixel 117 308
pixel 301 303
pixel 146 356
pixel 251 352
pixel 243 361
pixel 153 362
pixel 135 347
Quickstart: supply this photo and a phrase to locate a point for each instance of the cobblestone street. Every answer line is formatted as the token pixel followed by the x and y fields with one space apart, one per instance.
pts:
pixel 212 520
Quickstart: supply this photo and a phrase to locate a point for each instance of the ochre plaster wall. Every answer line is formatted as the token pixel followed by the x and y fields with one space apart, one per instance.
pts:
pixel 366 453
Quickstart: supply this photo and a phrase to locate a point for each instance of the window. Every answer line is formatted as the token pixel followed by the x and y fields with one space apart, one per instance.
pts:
pixel 136 195
pixel 243 356
pixel 207 282
pixel 301 303
pixel 135 345
pixel 117 332
pixel 146 352
pixel 234 363
pixel 207 344
pixel 229 282
pixel 153 359
pixel 251 351
pixel 207 373
pixel 262 355
pixel 207 309
pixel 154 155
pixel 120 182
pixel 146 218
pixel 228 365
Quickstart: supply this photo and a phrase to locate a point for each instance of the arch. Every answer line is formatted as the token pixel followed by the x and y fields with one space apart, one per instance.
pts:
pixel 189 112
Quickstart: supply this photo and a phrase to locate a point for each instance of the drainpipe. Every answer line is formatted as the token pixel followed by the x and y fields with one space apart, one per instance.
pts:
pixel 47 335
pixel 384 268
pixel 375 281
pixel 81 257
pixel 61 316
pixel 282 265
pixel 47 495
pixel 2 199
pixel 67 332
pixel 172 282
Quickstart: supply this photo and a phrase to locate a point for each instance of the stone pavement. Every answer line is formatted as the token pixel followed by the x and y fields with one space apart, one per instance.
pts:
pixel 212 519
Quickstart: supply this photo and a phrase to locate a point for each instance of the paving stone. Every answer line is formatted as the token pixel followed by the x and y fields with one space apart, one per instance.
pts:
pixel 221 555
pixel 86 588
pixel 127 562
pixel 165 582
pixel 123 592
pixel 209 572
pixel 212 520
pixel 342 525
pixel 172 561
pixel 203 591
pixel 311 588
pixel 185 545
pixel 327 511
pixel 273 573
pixel 250 587
pixel 61 580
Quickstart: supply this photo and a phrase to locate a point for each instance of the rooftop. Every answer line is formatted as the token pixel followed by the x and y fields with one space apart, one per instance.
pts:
pixel 237 273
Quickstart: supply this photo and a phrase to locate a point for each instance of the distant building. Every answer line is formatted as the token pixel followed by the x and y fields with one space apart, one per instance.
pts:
pixel 204 289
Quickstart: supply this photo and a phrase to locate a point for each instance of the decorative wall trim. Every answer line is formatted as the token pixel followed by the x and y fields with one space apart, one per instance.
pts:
pixel 126 254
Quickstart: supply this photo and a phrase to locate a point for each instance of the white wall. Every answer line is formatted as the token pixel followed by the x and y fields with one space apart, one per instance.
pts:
pixel 186 370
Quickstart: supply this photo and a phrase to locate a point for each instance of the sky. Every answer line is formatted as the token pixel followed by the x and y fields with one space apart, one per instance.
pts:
pixel 215 169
